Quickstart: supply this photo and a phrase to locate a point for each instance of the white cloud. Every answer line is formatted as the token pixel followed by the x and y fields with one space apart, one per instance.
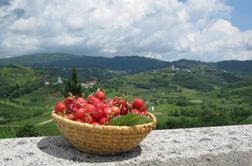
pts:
pixel 164 29
pixel 203 9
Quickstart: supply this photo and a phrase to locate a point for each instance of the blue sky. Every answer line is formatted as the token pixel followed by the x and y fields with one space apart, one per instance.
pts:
pixel 208 30
pixel 241 14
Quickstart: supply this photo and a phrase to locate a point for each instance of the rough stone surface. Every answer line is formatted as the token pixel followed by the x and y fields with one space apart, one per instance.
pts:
pixel 230 145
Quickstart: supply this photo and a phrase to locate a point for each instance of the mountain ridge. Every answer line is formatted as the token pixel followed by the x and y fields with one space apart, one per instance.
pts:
pixel 123 63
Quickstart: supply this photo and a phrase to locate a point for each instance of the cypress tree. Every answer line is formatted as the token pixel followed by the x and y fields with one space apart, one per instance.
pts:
pixel 72 86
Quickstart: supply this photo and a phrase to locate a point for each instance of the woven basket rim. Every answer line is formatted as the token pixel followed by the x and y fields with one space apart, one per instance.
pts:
pixel 56 116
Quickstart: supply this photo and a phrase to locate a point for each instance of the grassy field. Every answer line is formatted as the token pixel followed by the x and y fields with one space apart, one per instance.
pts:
pixel 179 105
pixel 48 129
pixel 7 132
pixel 30 107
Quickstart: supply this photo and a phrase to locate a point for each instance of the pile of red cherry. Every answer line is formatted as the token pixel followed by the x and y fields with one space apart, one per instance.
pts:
pixel 98 109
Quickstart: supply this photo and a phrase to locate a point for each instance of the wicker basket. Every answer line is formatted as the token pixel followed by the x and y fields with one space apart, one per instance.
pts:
pixel 100 139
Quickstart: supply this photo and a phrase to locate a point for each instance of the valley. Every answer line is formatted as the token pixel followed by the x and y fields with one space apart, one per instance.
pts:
pixel 188 94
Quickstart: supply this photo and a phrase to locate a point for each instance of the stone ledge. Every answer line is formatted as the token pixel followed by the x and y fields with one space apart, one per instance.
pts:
pixel 229 145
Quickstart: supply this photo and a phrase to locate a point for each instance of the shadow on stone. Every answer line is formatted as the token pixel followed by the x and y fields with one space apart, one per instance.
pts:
pixel 60 148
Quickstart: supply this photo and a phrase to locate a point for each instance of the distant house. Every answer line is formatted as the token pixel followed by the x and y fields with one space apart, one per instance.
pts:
pixel 117 72
pixel 60 81
pixel 46 83
pixel 88 84
pixel 174 68
pixel 187 70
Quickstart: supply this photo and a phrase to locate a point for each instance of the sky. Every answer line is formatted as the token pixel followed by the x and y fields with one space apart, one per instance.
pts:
pixel 207 30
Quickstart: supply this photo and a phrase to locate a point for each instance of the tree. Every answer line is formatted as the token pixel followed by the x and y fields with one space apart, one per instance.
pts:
pixel 72 85
pixel 27 131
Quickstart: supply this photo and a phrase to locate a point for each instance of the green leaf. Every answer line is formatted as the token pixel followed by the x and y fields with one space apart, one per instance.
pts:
pixel 130 120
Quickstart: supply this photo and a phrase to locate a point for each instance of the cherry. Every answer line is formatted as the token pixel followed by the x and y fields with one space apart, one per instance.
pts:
pixel 103 120
pixel 124 111
pixel 90 108
pixel 107 111
pixel 69 116
pixel 135 111
pixel 80 113
pixel 100 94
pixel 98 114
pixel 115 110
pixel 60 107
pixel 138 103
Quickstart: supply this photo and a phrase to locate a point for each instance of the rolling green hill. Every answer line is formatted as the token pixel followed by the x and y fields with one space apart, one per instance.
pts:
pixel 241 91
pixel 196 79
pixel 243 67
pixel 29 60
pixel 14 77
pixel 24 99
pixel 236 66
pixel 200 97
